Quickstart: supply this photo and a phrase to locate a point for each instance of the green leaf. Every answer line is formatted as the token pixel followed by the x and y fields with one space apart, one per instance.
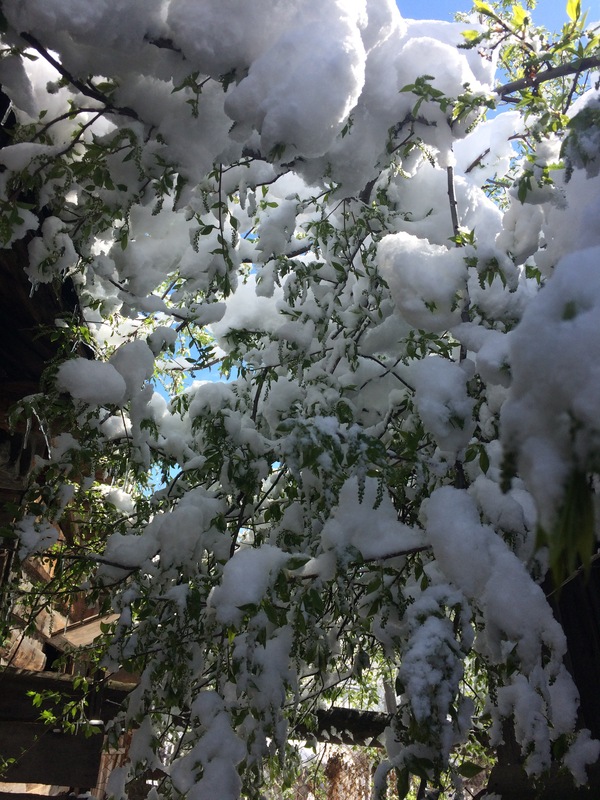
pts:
pixel 570 310
pixel 519 15
pixel 471 36
pixel 484 8
pixel 484 461
pixel 296 562
pixel 572 539
pixel 402 782
pixel 574 9
pixel 468 769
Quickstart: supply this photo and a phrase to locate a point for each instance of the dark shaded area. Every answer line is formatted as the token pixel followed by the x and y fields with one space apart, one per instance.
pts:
pixel 27 317
pixel 577 607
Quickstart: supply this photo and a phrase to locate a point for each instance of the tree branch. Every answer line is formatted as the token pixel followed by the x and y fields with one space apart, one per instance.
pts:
pixel 88 91
pixel 580 65
pixel 452 200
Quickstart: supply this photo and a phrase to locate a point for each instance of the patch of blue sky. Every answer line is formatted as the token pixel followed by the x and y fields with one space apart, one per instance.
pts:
pixel 552 14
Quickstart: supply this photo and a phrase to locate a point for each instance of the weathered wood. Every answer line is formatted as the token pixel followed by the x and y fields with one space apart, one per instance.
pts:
pixel 28 796
pixel 43 755
pixel 81 633
pixel 15 705
pixel 335 725
pixel 23 652
pixel 346 726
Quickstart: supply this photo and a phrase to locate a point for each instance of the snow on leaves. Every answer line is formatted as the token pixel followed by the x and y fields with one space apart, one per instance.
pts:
pixel 305 198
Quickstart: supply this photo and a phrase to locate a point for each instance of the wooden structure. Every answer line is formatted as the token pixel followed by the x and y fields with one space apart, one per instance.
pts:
pixel 44 754
pixel 30 751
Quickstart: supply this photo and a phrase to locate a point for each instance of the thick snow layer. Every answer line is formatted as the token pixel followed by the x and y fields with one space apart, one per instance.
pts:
pixel 442 401
pixel 274 188
pixel 582 752
pixel 219 36
pixel 115 22
pixel 218 751
pixel 19 156
pixel 488 149
pixel 476 560
pixel 557 217
pixel 35 537
pixel 551 417
pixel 248 310
pixel 246 578
pixel 325 40
pixel 369 525
pixel 425 280
pixel 135 362
pixel 95 382
pixel 124 553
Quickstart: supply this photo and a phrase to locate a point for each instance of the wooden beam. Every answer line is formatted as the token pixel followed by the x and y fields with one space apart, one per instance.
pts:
pixel 346 726
pixel 16 705
pixel 43 755
pixel 21 796
pixel 81 634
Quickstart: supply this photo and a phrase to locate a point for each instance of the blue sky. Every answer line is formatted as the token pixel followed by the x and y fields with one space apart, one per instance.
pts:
pixel 551 13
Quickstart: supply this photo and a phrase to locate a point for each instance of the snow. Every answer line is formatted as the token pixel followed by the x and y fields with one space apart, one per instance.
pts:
pixel 217 753
pixel 273 191
pixel 54 241
pixel 19 156
pixel 431 669
pixel 135 362
pixel 246 578
pixel 442 401
pixel 95 382
pixel 123 501
pixel 124 553
pixel 369 525
pixel 325 40
pixel 582 752
pixel 35 537
pixel 120 23
pixel 488 149
pixel 248 310
pixel 478 561
pixel 550 418
pixel 517 619
pixel 61 445
pixel 425 280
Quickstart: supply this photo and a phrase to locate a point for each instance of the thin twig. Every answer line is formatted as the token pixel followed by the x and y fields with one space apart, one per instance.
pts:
pixel 453 203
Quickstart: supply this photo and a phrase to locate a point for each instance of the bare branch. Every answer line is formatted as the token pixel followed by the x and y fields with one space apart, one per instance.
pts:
pixel 452 199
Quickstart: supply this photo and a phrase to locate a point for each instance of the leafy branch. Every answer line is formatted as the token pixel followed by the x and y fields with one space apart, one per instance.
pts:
pixel 572 68
pixel 87 89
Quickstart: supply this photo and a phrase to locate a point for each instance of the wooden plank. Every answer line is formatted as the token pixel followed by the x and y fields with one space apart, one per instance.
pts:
pixel 43 755
pixel 81 633
pixel 21 796
pixel 338 725
pixel 16 705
